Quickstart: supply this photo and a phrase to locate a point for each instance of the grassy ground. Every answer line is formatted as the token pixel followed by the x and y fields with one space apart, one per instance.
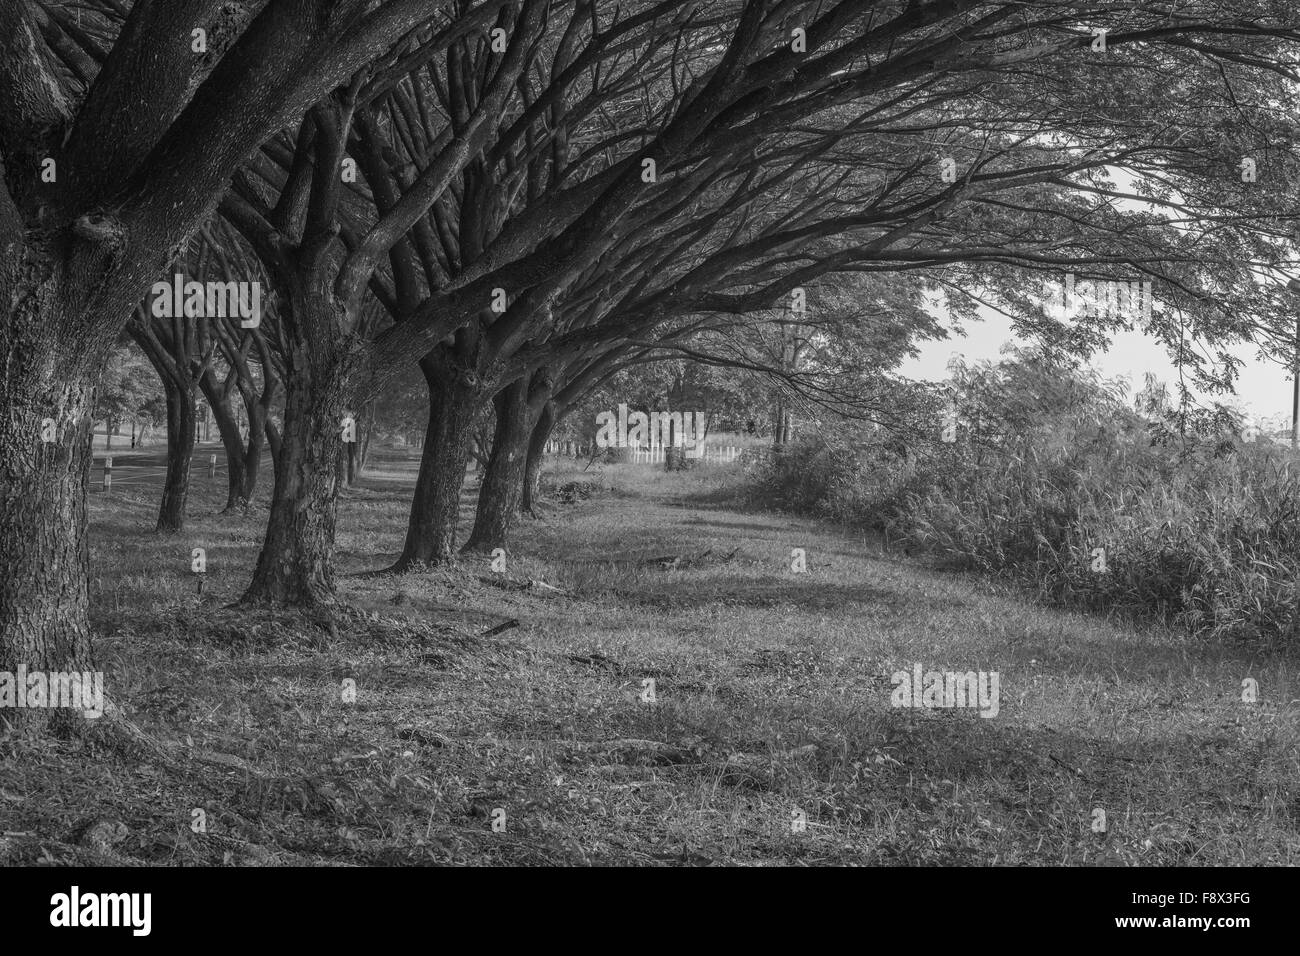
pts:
pixel 772 698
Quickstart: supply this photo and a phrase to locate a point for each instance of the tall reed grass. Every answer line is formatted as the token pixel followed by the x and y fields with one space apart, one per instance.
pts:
pixel 1079 499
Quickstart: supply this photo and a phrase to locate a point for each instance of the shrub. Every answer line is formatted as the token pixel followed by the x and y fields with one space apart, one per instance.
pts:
pixel 1047 484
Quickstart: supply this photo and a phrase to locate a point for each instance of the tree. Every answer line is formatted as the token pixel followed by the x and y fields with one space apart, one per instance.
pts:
pixel 124 389
pixel 695 150
pixel 107 172
pixel 253 370
pixel 181 352
pixel 719 105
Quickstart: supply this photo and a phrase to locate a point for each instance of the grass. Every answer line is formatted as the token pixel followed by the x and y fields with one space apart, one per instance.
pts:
pixel 772 697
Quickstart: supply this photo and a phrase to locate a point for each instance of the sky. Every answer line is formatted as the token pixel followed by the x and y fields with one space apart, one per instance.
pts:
pixel 1263 388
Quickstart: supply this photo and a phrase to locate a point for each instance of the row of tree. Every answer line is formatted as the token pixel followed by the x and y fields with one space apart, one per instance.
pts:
pixel 524 197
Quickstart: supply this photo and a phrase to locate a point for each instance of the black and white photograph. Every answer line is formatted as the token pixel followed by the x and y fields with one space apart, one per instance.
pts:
pixel 650 434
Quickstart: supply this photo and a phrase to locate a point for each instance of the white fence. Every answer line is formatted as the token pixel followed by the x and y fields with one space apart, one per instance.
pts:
pixel 649 454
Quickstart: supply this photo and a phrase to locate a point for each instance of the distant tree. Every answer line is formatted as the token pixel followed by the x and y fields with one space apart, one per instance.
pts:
pixel 126 387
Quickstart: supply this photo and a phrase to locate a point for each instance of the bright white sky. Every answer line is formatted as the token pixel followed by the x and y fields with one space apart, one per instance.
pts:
pixel 1264 389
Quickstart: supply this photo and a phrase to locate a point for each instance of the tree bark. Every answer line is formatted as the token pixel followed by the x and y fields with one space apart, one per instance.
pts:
pixel 503 478
pixel 295 566
pixel 243 459
pixel 182 424
pixel 454 399
pixel 44 557
pixel 781 427
pixel 363 450
pixel 354 468
pixel 274 441
pixel 546 421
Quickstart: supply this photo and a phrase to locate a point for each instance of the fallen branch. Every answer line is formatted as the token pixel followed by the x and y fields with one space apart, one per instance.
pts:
pixel 500 628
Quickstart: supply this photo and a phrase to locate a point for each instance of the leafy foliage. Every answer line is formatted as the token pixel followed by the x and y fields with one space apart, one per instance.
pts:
pixel 1054 482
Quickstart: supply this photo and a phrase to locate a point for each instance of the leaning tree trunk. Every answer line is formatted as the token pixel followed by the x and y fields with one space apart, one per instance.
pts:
pixel 546 422
pixel 251 452
pixel 45 454
pixel 503 478
pixel 182 425
pixel 274 441
pixel 363 458
pixel 454 400
pixel 242 461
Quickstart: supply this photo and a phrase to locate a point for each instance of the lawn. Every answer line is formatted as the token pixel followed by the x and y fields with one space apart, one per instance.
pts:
pixel 505 718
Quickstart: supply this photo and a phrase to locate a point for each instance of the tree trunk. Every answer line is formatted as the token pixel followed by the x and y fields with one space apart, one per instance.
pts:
pixel 353 469
pixel 358 450
pixel 363 450
pixel 253 450
pixel 781 427
pixel 274 442
pixel 47 392
pixel 454 400
pixel 295 566
pixel 503 477
pixel 181 428
pixel 546 422
pixel 243 460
